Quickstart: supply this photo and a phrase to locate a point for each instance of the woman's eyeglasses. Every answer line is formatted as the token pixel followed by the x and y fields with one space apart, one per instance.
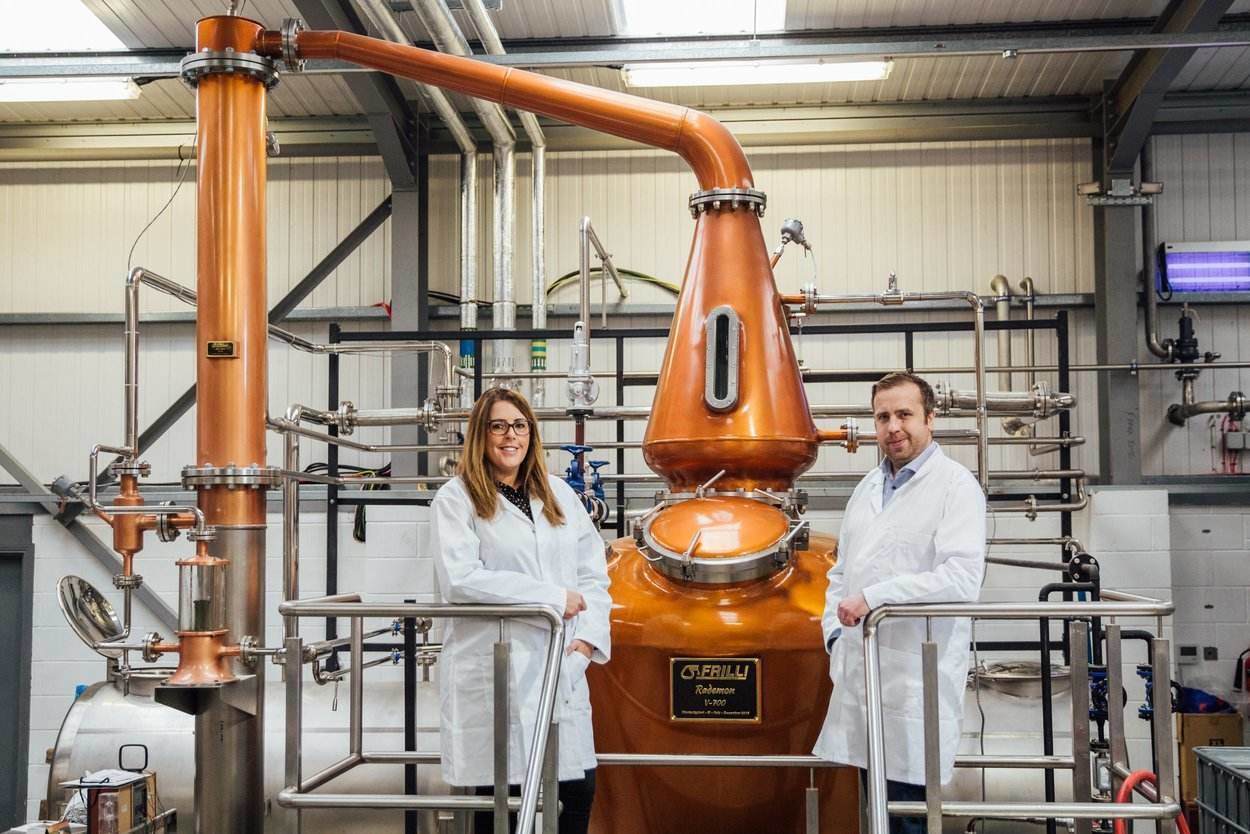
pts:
pixel 519 427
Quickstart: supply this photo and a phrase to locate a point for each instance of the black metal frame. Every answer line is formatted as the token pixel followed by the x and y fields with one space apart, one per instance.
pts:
pixel 1059 325
pixel 16 542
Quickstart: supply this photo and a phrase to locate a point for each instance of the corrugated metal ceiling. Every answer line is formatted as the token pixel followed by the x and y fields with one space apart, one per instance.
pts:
pixel 170 23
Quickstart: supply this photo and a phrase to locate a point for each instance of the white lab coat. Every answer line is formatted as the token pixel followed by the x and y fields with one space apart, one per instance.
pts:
pixel 510 560
pixel 927 545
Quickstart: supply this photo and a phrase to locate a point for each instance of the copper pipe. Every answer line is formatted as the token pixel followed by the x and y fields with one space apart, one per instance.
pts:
pixel 128 528
pixel 768 433
pixel 706 144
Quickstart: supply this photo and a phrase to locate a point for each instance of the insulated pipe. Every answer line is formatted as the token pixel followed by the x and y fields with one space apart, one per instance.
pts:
pixel 437 19
pixel 1002 311
pixel 538 168
pixel 468 241
pixel 1163 349
pixel 380 14
pixel 503 212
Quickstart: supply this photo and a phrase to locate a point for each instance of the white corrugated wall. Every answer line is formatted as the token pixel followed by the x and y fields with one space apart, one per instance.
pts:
pixel 1206 196
pixel 942 215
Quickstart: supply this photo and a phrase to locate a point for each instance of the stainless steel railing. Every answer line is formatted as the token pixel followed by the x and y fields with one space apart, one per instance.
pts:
pixel 300 793
pixel 1118 604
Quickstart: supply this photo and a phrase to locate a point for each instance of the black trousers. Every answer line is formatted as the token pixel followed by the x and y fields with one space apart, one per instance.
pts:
pixel 576 795
pixel 899 792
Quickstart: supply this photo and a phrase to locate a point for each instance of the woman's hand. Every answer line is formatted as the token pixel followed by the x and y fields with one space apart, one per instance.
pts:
pixel 580 646
pixel 574 604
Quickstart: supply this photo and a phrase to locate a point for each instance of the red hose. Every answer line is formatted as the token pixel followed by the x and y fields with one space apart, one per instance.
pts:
pixel 1125 794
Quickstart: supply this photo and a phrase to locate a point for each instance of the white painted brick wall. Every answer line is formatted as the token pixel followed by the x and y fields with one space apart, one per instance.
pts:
pixel 1212 590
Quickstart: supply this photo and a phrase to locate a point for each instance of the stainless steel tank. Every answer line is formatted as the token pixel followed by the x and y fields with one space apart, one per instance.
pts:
pixel 103 718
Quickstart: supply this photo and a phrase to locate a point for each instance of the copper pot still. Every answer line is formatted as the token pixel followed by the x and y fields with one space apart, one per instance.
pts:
pixel 717 645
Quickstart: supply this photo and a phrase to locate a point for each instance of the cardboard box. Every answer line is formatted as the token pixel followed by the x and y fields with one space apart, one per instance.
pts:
pixel 1201 730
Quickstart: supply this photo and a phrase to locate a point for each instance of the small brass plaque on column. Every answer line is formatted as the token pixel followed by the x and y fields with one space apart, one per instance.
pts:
pixel 221 350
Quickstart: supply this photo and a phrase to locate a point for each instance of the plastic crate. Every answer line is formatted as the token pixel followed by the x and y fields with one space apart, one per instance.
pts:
pixel 1223 790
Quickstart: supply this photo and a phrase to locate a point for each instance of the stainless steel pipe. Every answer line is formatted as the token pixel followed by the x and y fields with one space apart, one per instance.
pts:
pixel 1001 289
pixel 290 531
pixel 383 19
pixel 1178 413
pixel 893 296
pixel 1162 349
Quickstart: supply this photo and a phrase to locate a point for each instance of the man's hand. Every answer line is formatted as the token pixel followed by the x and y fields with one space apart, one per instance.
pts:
pixel 580 646
pixel 852 609
pixel 574 603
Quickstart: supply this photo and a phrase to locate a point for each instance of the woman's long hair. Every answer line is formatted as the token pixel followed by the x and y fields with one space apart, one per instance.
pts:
pixel 475 470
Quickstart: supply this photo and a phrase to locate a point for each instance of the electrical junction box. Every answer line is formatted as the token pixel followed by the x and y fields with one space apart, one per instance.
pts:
pixel 1235 440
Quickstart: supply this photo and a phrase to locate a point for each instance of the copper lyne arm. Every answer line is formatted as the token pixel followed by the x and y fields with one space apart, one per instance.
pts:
pixel 706 144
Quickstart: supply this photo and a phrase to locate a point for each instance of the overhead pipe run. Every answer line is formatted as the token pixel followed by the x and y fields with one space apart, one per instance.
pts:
pixel 538 208
pixel 447 37
pixel 810 298
pixel 383 19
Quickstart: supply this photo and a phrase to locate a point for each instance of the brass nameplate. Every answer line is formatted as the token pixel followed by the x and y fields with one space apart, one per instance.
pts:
pixel 715 689
pixel 221 350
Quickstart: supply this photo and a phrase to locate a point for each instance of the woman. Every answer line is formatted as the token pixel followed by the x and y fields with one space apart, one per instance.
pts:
pixel 506 532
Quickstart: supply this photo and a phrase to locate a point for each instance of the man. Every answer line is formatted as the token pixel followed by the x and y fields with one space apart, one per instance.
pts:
pixel 914 531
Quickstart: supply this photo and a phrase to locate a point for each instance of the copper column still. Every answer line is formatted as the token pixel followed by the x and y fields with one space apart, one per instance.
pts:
pixel 729 573
pixel 230 474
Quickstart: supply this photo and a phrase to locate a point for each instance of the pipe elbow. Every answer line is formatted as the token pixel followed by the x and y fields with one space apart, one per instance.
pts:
pixel 713 152
pixel 1000 286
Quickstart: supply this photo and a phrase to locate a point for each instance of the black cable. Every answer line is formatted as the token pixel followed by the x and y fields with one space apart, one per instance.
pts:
pixel 183 167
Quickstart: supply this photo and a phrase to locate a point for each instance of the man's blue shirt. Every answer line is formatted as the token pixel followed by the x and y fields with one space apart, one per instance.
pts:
pixel 894 482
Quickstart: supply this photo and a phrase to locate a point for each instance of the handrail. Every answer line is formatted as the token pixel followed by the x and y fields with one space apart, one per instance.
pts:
pixel 294 794
pixel 1123 604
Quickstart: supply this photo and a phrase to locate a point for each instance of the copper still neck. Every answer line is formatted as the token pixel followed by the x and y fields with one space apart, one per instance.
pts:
pixel 763 436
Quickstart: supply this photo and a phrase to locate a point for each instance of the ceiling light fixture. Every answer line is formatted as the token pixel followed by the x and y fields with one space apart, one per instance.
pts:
pixel 75 28
pixel 714 73
pixel 648 18
pixel 77 89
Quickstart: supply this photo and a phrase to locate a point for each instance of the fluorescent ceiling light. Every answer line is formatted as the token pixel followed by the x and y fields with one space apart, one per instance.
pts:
pixel 713 73
pixel 645 18
pixel 59 26
pixel 53 26
pixel 76 89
